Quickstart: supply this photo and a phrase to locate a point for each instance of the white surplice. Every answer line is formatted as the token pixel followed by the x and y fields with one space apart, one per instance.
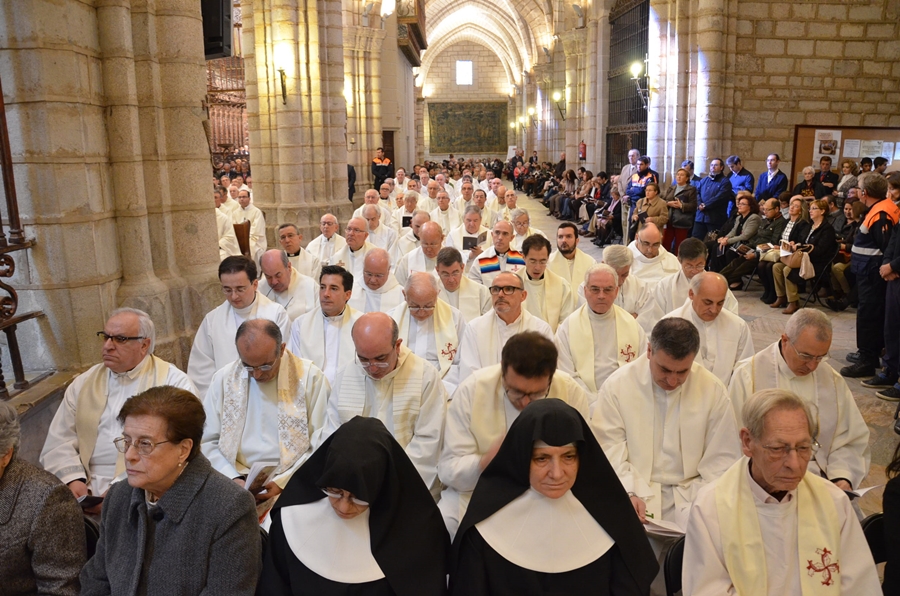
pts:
pixel 485 337
pixel 517 240
pixel 573 270
pixel 448 219
pixel 397 216
pixel 258 242
pixel 549 298
pixel 636 297
pixel 843 433
pixel 653 270
pixel 324 248
pixel 61 453
pixel 301 296
pixel 423 340
pixel 455 240
pixel 414 260
pixel 307 264
pixel 326 341
pixel 386 213
pixel 405 243
pixel 382 237
pixel 724 341
pixel 214 342
pixel 470 298
pixel 233 209
pixel 352 260
pixel 385 298
pixel 228 244
pixel 672 290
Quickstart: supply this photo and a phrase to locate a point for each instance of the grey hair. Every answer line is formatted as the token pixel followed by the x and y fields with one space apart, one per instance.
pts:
pixel 809 318
pixel 370 209
pixel 810 168
pixel 676 337
pixel 472 209
pixel 517 212
pixel 417 279
pixel 9 428
pixel 704 275
pixel 284 259
pixel 753 414
pixel 146 328
pixel 617 256
pixel 411 194
pixel 600 268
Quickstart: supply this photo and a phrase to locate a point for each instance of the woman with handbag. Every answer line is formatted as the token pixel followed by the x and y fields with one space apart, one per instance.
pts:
pixel 795 230
pixel 681 198
pixel 840 285
pixel 567 188
pixel 745 227
pixel 650 209
pixel 819 244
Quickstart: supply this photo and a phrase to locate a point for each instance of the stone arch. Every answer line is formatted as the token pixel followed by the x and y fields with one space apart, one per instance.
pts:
pixel 472 34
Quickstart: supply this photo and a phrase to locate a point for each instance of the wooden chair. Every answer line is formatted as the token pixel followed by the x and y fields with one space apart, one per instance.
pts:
pixel 672 567
pixel 242 232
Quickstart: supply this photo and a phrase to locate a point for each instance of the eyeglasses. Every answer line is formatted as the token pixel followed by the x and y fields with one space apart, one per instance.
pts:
pixel 689 267
pixel 516 396
pixel 336 493
pixel 260 368
pixel 119 339
pixel 418 309
pixel 373 362
pixel 143 446
pixel 238 290
pixel 779 452
pixel 808 357
pixel 647 244
pixel 507 290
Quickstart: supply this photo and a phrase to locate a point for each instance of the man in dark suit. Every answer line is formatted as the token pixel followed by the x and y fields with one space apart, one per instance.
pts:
pixel 825 176
pixel 772 182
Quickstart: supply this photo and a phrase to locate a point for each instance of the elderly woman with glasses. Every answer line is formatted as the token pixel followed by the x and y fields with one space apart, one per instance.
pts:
pixel 356 519
pixel 41 527
pixel 177 526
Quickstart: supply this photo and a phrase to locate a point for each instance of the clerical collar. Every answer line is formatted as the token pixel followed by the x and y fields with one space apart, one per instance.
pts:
pixel 336 317
pixel 531 279
pixel 295 254
pixel 515 321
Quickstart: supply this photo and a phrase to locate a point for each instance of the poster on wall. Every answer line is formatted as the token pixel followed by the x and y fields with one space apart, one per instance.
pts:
pixel 871 149
pixel 887 152
pixel 851 148
pixel 827 144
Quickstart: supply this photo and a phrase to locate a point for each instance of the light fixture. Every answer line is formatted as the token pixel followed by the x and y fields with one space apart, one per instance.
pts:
pixel 580 14
pixel 644 92
pixel 557 97
pixel 533 114
pixel 547 53
pixel 365 14
pixel 283 77
pixel 387 8
pixel 512 124
pixel 522 123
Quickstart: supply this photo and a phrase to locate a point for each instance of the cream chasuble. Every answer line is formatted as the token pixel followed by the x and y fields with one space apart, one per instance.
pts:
pixel 448 219
pixel 672 290
pixel 307 264
pixel 351 260
pixel 414 260
pixel 385 298
pixel 382 237
pixel 549 298
pixel 471 299
pixel 324 248
pixel 441 331
pixel 326 341
pixel 485 337
pixel 634 297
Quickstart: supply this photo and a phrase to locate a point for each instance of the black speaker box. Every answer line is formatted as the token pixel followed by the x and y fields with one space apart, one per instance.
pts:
pixel 216 28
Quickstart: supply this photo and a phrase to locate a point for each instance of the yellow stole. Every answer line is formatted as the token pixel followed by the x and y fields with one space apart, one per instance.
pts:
pixel 447 343
pixel 582 337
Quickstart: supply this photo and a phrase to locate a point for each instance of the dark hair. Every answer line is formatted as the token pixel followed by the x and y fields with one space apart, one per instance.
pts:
pixel 589 174
pixel 751 201
pixel 778 157
pixel 880 161
pixel 568 224
pixel 676 337
pixel 236 264
pixel 692 248
pixel 289 225
pixel 346 276
pixel 379 148
pixel 867 160
pixel 718 159
pixel 825 158
pixel 530 354
pixel 875 187
pixel 536 242
pixel 893 179
pixel 785 197
pixel 687 164
pixel 644 159
pixel 732 160
pixel 654 185
pixel 603 175
pixel 447 256
pixel 265 326
pixel 182 411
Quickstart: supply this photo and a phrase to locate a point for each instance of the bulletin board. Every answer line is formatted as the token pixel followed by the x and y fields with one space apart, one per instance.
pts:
pixel 843 142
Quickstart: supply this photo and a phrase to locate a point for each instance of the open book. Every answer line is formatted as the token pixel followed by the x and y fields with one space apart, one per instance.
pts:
pixel 260 474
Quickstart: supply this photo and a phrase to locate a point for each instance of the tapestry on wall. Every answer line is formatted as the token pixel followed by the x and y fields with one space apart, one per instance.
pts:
pixel 468 127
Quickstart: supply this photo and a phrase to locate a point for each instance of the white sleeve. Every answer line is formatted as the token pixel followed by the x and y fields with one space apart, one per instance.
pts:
pixel 486 303
pixel 202 363
pixel 850 455
pixel 294 344
pixel 459 464
pixel 475 272
pixel 607 421
pixel 424 449
pixel 469 359
pixel 564 360
pixel 60 455
pixel 401 270
pixel 703 571
pixel 858 572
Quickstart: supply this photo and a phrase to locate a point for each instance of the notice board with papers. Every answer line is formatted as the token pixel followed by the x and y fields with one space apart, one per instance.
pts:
pixel 842 142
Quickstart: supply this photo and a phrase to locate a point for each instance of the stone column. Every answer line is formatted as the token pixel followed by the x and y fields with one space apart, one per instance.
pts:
pixel 362 75
pixel 299 145
pixel 578 116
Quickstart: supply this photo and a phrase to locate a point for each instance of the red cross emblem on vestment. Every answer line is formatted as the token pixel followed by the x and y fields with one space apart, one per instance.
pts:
pixel 628 352
pixel 450 352
pixel 826 567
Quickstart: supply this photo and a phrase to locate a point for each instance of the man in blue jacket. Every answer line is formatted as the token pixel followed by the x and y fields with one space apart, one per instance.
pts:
pixel 714 193
pixel 740 177
pixel 772 182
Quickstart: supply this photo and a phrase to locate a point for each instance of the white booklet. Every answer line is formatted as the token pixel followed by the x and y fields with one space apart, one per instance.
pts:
pixel 855 494
pixel 260 474
pixel 662 527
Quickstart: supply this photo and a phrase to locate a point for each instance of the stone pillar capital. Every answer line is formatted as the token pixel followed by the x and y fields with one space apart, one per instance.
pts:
pixel 364 39
pixel 574 41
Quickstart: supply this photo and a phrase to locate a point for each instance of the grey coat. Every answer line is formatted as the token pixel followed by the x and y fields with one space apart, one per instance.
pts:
pixel 41 533
pixel 206 542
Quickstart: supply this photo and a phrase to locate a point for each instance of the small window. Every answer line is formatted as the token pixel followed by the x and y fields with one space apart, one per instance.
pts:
pixel 463 72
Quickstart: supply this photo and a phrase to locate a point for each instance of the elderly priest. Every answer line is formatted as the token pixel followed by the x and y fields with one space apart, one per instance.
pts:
pixel 282 283
pixel 470 298
pixel 672 290
pixel 768 526
pixel 652 262
pixel 377 290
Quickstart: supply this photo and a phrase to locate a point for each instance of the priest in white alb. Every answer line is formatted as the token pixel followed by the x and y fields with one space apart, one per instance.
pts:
pixel 510 204
pixel 409 239
pixel 485 405
pixel 569 261
pixel 430 328
pixel 380 235
pixel 377 290
pixel 769 525
pixel 281 283
pixel 323 335
pixel 635 295
pixel 485 336
pixel 652 262
pixel 401 218
pixel 466 196
pixel 725 338
pixel 422 258
pixel 488 216
pixel 228 244
pixel 470 298
pixel 671 291
pixel 549 296
pixel 521 221
pixel 251 213
pixel 599 337
pixel 301 259
pixel 373 198
pixel 213 345
pixel 79 446
pixel 795 362
pixel 498 258
pixel 263 407
pixel 323 246
pixel 471 238
pixel 445 214
pixel 351 256
pixel 387 381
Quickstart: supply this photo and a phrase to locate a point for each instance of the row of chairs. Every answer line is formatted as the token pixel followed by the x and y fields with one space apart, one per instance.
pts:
pixel 813 284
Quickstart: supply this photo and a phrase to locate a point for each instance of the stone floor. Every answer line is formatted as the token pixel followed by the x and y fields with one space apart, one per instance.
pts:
pixel 767 325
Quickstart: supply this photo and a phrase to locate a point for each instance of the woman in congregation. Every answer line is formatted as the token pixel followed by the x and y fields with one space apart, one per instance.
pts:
pixel 810 188
pixel 821 245
pixel 356 520
pixel 840 285
pixel 681 199
pixel 42 547
pixel 849 173
pixel 567 187
pixel 650 209
pixel 797 227
pixel 549 516
pixel 745 227
pixel 177 526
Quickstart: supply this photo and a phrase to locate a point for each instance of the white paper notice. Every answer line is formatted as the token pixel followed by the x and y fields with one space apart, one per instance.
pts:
pixel 870 149
pixel 897 151
pixel 887 152
pixel 851 148
pixel 827 144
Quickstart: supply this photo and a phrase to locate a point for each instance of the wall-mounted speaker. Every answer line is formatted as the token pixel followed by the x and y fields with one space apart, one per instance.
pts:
pixel 216 28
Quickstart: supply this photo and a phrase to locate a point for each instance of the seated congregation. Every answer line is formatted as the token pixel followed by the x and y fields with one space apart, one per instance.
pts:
pixel 439 401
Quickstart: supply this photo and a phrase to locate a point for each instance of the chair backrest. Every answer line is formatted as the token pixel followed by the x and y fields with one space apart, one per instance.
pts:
pixel 873 528
pixel 264 539
pixel 672 567
pixel 91 535
pixel 242 232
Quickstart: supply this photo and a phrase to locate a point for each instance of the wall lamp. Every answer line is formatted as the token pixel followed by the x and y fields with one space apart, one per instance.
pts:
pixel 365 14
pixel 534 114
pixel 644 92
pixel 522 123
pixel 283 77
pixel 580 14
pixel 557 97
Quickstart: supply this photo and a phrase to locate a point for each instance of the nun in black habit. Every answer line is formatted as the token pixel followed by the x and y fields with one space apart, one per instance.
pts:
pixel 356 520
pixel 549 517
